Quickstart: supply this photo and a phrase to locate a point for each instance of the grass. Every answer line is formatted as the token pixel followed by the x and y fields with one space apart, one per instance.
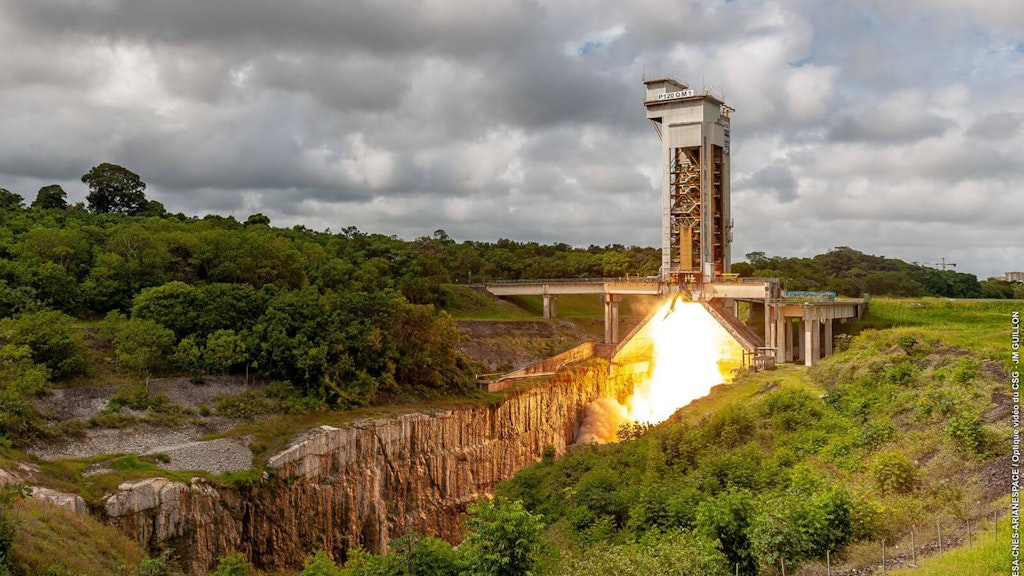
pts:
pixel 987 557
pixel 52 540
pixel 70 475
pixel 465 303
pixel 587 305
pixel 980 325
pixel 746 387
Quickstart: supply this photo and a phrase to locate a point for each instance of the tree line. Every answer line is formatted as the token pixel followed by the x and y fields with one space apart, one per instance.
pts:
pixel 850 272
pixel 345 318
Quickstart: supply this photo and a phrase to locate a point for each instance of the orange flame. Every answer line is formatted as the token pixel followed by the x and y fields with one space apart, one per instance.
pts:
pixel 692 354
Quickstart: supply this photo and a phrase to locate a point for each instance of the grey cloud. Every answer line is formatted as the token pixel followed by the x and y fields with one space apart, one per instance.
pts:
pixel 1000 126
pixel 482 118
pixel 864 126
pixel 776 178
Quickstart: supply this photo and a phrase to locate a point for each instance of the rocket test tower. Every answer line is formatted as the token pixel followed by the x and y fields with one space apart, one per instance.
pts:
pixel 696 227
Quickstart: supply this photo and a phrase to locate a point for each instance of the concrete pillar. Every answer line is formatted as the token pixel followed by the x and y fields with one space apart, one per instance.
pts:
pixel 800 354
pixel 826 347
pixel 790 349
pixel 782 335
pixel 812 341
pixel 548 313
pixel 611 318
pixel 615 318
pixel 769 325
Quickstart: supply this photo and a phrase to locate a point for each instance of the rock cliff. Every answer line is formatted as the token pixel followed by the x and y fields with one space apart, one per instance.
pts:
pixel 363 484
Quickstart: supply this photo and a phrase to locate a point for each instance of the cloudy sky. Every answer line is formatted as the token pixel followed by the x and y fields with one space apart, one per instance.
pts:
pixel 896 128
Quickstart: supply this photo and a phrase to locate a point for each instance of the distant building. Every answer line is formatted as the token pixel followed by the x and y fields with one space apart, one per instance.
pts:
pixel 1015 276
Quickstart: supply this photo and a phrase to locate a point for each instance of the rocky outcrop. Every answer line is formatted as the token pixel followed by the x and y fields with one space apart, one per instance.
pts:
pixel 363 484
pixel 71 502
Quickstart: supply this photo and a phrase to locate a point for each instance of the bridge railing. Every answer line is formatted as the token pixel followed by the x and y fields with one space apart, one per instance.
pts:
pixel 630 279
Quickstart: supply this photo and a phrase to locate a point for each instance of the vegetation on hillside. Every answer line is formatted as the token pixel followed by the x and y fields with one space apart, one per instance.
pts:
pixel 852 273
pixel 893 431
pixel 869 442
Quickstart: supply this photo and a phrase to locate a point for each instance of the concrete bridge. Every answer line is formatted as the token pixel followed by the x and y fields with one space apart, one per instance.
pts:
pixel 795 330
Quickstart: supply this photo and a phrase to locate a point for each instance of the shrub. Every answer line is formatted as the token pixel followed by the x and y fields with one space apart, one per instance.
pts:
pixel 967 432
pixel 48 334
pixel 233 565
pixel 246 405
pixel 319 564
pixel 893 471
pixel 159 566
pixel 503 539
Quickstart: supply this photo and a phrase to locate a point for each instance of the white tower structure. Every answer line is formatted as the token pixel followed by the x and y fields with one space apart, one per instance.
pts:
pixel 696 224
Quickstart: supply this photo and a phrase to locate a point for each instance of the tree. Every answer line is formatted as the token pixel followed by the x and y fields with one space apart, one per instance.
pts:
pixel 224 349
pixel 9 200
pixel 143 345
pixel 115 189
pixel 504 539
pixel 50 337
pixel 319 564
pixel 257 219
pixel 51 197
pixel 233 565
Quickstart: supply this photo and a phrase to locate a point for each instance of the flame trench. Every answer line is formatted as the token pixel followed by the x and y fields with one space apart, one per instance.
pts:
pixel 692 353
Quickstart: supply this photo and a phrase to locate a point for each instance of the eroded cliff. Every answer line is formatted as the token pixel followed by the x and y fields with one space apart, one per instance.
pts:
pixel 364 484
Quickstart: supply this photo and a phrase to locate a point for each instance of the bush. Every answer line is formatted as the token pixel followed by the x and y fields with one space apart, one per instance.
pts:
pixel 503 539
pixel 143 346
pixel 159 566
pixel 233 565
pixel 893 471
pixel 48 334
pixel 676 553
pixel 319 564
pixel 244 406
pixel 967 432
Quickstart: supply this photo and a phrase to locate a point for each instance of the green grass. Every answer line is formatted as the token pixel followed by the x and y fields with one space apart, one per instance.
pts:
pixel 980 325
pixel 52 540
pixel 465 303
pixel 587 305
pixel 745 388
pixel 70 475
pixel 987 557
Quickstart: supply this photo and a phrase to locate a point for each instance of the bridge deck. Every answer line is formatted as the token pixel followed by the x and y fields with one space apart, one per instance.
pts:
pixel 582 286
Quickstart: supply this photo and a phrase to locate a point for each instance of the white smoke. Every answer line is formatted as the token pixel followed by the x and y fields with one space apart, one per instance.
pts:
pixel 601 422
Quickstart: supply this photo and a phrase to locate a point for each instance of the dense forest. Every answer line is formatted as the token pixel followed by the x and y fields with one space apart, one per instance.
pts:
pixel 344 317
pixel 341 318
pixel 337 319
pixel 851 273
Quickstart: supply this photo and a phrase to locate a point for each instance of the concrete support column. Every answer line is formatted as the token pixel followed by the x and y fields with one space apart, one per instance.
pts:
pixel 780 342
pixel 769 325
pixel 790 349
pixel 800 354
pixel 611 318
pixel 812 341
pixel 826 347
pixel 550 306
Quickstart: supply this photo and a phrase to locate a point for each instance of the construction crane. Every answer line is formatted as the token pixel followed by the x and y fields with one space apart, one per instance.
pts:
pixel 944 264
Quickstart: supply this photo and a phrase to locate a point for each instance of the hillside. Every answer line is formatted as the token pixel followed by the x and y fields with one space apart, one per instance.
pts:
pixel 908 426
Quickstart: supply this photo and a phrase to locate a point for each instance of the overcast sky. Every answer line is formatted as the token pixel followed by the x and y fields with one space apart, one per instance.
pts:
pixel 894 130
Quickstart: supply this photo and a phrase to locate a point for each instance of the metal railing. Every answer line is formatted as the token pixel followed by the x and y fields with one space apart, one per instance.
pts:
pixel 629 279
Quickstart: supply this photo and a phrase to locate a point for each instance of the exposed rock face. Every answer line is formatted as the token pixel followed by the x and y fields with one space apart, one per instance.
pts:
pixel 72 502
pixel 361 485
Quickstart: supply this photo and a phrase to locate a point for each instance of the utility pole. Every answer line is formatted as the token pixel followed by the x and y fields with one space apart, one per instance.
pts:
pixel 943 264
